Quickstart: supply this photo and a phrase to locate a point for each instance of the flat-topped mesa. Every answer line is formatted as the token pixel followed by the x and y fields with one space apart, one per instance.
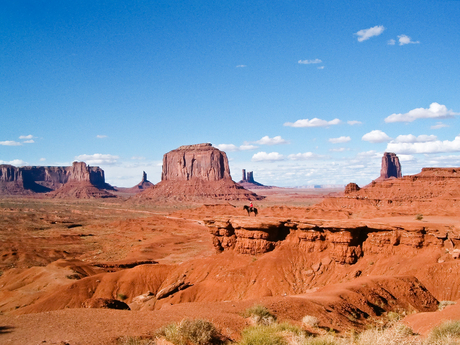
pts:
pixel 80 172
pixel 201 161
pixel 390 166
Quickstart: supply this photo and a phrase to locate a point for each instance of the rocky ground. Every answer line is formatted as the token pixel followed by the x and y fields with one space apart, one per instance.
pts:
pixel 62 260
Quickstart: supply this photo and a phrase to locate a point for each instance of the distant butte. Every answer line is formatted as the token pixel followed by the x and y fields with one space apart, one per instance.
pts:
pixel 247 181
pixel 196 173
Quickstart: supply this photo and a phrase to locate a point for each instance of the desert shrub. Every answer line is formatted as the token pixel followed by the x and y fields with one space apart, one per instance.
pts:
pixel 443 304
pixel 309 320
pixel 260 315
pixel 273 334
pixel 419 217
pixel 397 335
pixel 196 332
pixel 122 296
pixel 320 340
pixel 134 341
pixel 443 333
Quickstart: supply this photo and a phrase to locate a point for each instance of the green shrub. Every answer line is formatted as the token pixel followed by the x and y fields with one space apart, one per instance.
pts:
pixel 445 331
pixel 122 296
pixel 262 335
pixel 260 315
pixel 196 332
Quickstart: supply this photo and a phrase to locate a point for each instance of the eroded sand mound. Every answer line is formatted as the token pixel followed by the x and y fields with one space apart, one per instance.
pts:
pixel 79 190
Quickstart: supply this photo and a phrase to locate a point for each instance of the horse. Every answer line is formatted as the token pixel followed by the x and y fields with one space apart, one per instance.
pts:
pixel 250 209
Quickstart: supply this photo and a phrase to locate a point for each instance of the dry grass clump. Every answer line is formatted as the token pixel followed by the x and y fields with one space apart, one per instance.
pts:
pixel 134 341
pixel 273 334
pixel 191 332
pixel 447 333
pixel 398 334
pixel 310 321
pixel 443 304
pixel 260 315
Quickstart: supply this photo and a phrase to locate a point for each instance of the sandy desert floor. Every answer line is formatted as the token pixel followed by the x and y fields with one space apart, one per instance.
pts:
pixel 50 249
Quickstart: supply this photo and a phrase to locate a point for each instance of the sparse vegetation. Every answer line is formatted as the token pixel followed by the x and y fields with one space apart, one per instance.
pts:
pixel 445 333
pixel 419 217
pixel 260 315
pixel 134 341
pixel 443 304
pixel 122 296
pixel 310 321
pixel 273 334
pixel 191 332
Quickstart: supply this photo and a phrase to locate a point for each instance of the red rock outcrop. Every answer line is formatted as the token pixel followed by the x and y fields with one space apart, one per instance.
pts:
pixel 141 186
pixel 434 191
pixel 41 179
pixel 390 166
pixel 248 181
pixel 351 188
pixel 195 173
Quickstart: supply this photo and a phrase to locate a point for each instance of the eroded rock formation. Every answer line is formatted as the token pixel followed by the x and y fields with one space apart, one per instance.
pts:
pixel 195 173
pixel 247 180
pixel 42 179
pixel 390 166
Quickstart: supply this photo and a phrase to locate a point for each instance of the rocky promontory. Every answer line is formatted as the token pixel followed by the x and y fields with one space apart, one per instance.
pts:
pixel 196 173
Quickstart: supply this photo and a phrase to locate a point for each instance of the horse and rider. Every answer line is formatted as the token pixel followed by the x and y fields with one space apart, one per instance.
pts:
pixel 250 209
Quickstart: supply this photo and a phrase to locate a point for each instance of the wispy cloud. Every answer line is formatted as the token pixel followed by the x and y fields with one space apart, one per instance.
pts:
pixel 315 122
pixel 391 42
pixel 436 146
pixel 234 148
pixel 439 125
pixel 26 137
pixel 303 156
pixel 340 149
pixel 435 111
pixel 354 122
pixel 98 158
pixel 267 157
pixel 139 158
pixel 101 136
pixel 15 162
pixel 241 66
pixel 10 143
pixel 404 39
pixel 266 140
pixel 339 140
pixel 376 136
pixel 410 138
pixel 42 159
pixel 365 34
pixel 28 141
pixel 308 62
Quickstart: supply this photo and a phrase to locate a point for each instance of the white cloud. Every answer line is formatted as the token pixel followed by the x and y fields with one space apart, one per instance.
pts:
pixel 28 141
pixel 437 146
pixel 339 140
pixel 354 122
pixel 24 137
pixel 410 138
pixel 101 136
pixel 10 143
pixel 439 125
pixel 435 111
pixel 365 34
pixel 321 67
pixel 241 66
pixel 15 162
pixel 42 159
pixel 98 158
pixel 270 157
pixel 340 149
pixel 303 156
pixel 308 62
pixel 139 158
pixel 234 148
pixel 391 42
pixel 315 122
pixel 376 136
pixel 404 39
pixel 266 140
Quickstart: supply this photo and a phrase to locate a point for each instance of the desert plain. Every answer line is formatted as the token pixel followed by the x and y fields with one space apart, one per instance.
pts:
pixel 103 270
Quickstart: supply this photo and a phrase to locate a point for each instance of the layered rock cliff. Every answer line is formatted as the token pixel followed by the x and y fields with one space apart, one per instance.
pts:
pixel 42 179
pixel 390 166
pixel 195 173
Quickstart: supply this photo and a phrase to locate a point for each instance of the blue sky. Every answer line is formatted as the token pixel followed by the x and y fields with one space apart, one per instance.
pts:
pixel 300 92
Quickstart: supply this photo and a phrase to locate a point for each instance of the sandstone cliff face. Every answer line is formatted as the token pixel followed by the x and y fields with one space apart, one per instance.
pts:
pixel 342 241
pixel 390 166
pixel 195 173
pixel 42 179
pixel 201 161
